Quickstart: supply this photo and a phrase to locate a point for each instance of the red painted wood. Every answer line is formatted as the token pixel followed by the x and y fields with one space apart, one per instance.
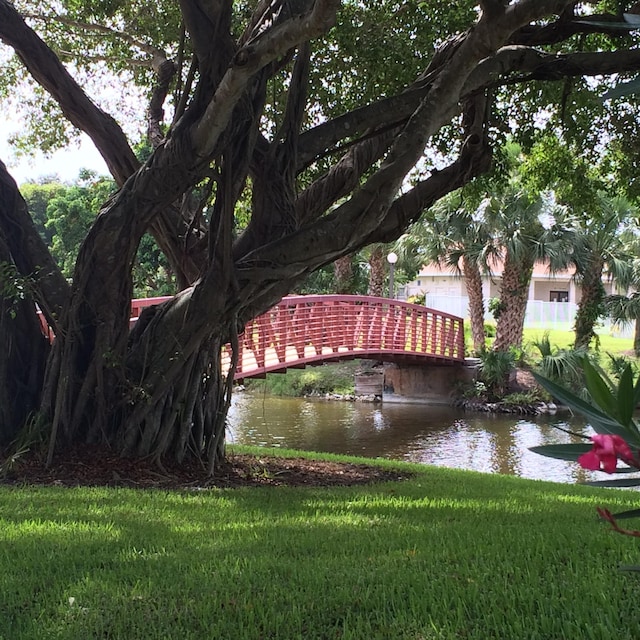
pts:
pixel 303 330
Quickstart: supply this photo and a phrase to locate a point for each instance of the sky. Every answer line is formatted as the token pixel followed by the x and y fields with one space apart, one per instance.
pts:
pixel 66 164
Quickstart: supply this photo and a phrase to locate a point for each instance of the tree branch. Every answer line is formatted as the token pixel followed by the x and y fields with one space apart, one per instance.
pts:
pixel 343 177
pixel 533 64
pixel 269 46
pixel 153 52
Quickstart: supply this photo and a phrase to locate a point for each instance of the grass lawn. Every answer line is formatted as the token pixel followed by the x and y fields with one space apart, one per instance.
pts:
pixel 564 339
pixel 446 555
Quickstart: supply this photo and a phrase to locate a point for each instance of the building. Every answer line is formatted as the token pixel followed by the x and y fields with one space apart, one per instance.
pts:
pixel 553 298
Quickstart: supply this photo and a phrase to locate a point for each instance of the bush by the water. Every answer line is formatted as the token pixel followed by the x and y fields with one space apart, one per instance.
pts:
pixel 330 378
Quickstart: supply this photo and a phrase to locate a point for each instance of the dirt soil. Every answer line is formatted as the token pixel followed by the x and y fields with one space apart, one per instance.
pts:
pixel 92 467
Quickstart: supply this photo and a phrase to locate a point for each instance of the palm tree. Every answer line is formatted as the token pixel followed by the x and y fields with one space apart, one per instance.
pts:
pixel 623 309
pixel 377 270
pixel 626 310
pixel 528 228
pixel 343 274
pixel 453 235
pixel 599 249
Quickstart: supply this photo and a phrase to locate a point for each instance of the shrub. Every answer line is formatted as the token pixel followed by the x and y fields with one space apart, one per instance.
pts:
pixel 489 330
pixel 523 398
pixel 495 367
pixel 328 378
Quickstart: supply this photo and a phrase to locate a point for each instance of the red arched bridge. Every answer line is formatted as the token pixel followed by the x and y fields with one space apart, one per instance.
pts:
pixel 304 330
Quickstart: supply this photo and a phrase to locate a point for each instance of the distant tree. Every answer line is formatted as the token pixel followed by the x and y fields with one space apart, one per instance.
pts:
pixel 37 195
pixel 378 267
pixel 528 228
pixel 454 235
pixel 600 250
pixel 625 310
pixel 600 217
pixel 343 272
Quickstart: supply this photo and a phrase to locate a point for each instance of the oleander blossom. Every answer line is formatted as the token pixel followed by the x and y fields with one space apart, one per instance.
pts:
pixel 607 450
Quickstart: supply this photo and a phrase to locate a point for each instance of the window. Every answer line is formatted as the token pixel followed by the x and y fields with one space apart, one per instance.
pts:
pixel 558 296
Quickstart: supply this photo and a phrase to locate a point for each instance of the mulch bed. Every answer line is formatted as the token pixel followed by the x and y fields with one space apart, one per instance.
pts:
pixel 93 467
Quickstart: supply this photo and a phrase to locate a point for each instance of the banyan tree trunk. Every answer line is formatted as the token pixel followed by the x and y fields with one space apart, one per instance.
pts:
pixel 156 391
pixel 23 354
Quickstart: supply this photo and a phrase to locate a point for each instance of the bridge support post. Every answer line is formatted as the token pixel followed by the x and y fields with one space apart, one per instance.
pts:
pixel 430 384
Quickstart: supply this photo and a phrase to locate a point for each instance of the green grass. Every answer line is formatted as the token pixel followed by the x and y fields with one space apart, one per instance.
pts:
pixel 446 555
pixel 565 339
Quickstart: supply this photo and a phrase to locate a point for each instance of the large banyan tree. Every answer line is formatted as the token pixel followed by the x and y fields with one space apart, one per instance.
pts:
pixel 281 135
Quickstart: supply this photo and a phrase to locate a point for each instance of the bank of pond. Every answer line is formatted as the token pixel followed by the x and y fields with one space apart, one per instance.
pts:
pixel 438 435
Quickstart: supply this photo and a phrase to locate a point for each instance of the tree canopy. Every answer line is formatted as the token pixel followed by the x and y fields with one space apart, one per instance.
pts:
pixel 282 135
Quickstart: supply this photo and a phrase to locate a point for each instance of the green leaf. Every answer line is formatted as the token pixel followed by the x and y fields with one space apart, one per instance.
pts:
pixel 615 482
pixel 600 422
pixel 569 452
pixel 626 397
pixel 599 389
pixel 636 393
pixel 631 513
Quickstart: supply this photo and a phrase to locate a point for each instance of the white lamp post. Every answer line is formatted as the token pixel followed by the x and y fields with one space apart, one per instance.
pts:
pixel 392 258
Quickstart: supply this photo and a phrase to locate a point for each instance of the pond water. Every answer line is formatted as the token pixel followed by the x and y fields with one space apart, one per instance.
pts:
pixel 412 432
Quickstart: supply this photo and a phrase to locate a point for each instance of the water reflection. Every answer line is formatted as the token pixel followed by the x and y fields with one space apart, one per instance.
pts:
pixel 418 433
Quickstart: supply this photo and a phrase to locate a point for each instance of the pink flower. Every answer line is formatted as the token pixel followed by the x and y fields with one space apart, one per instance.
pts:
pixel 607 449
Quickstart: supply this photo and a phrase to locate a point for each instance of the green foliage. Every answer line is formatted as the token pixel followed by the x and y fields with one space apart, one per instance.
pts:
pixel 417 299
pixel 320 380
pixel 609 411
pixel 70 214
pixel 63 215
pixel 478 390
pixel 564 340
pixel 323 281
pixel 14 287
pixel 523 398
pixel 561 365
pixel 496 307
pixel 37 196
pixel 489 329
pixel 553 164
pixel 495 367
pixel 152 275
pixel 373 35
pixel 618 364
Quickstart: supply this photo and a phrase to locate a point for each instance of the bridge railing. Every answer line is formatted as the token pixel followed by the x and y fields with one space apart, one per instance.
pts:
pixel 305 329
pixel 302 330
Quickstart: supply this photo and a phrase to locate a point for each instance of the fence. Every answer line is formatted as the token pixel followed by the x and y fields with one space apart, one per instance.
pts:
pixel 539 315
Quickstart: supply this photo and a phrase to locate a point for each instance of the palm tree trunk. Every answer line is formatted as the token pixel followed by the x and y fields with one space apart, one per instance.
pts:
pixel 590 307
pixel 473 284
pixel 343 273
pixel 514 292
pixel 376 271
